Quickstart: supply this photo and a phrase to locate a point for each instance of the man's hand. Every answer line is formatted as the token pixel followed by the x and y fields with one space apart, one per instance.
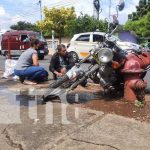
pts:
pixel 59 74
pixel 63 71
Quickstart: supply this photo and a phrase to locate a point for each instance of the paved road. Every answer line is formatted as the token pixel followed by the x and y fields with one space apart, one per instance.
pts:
pixel 45 64
pixel 61 126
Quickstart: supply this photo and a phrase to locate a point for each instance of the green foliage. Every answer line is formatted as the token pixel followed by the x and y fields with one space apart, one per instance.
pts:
pixel 85 23
pixel 139 21
pixel 21 25
pixel 141 10
pixel 65 23
pixel 140 27
pixel 57 19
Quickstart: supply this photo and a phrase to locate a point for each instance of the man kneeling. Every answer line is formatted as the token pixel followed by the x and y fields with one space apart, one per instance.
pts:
pixel 61 62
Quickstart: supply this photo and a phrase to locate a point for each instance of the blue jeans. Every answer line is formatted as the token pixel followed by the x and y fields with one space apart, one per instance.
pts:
pixel 33 73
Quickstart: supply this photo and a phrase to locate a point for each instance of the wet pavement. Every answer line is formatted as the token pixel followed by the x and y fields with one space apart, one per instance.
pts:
pixel 86 119
pixel 122 108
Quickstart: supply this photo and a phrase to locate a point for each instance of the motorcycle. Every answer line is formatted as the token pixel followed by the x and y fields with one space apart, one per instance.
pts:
pixel 104 56
pixel 117 70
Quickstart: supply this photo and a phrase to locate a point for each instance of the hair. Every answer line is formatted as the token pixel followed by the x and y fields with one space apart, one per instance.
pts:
pixel 34 41
pixel 59 47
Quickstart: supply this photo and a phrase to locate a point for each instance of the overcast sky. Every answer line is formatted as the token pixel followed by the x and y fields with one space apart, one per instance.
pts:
pixel 12 11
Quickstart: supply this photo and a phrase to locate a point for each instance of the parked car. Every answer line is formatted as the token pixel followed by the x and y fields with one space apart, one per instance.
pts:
pixel 1 34
pixel 82 43
pixel 17 42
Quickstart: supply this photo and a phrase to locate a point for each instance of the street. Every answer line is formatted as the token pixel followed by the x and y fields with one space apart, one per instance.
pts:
pixel 45 63
pixel 108 111
pixel 95 123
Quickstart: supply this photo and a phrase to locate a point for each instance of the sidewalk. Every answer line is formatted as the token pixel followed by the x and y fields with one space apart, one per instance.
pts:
pixel 28 125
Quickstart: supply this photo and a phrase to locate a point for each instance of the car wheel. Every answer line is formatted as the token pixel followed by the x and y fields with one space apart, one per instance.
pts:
pixel 41 57
pixel 6 55
pixel 75 56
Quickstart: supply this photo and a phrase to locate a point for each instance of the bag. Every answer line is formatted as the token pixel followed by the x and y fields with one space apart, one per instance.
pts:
pixel 9 69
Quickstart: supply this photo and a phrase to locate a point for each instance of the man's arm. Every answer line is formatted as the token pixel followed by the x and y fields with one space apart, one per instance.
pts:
pixel 71 62
pixel 52 63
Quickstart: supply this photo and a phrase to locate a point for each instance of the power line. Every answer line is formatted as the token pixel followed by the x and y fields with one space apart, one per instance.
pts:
pixel 31 13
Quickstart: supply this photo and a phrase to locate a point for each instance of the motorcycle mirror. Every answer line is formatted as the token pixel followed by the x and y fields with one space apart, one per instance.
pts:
pixel 114 26
pixel 115 21
pixel 121 5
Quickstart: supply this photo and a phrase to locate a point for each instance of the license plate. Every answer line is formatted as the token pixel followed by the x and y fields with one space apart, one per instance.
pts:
pixel 42 52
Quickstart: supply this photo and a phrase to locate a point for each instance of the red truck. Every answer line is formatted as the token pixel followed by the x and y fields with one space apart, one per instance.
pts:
pixel 15 42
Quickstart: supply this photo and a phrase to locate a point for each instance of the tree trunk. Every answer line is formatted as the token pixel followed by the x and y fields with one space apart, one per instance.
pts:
pixel 59 39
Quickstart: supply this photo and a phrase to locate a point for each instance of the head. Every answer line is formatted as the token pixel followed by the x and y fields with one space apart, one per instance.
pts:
pixel 35 43
pixel 61 50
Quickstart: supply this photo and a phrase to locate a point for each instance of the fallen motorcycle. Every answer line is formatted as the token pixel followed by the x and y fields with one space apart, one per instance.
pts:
pixel 100 55
pixel 118 71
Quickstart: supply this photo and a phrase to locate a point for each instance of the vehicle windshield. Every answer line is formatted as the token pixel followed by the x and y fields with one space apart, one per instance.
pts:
pixel 41 38
pixel 115 38
pixel 38 36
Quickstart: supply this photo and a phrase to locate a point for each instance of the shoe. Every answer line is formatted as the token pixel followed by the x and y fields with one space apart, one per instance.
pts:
pixel 27 82
pixel 21 79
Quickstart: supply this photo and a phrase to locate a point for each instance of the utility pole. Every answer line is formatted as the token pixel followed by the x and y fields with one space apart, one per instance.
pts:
pixel 109 15
pixel 40 3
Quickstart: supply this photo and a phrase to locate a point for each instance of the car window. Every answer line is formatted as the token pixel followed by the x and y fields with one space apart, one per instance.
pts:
pixel 148 44
pixel 85 37
pixel 115 38
pixel 97 38
pixel 23 37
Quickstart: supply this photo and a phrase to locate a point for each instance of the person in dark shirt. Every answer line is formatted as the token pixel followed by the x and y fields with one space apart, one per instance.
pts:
pixel 61 62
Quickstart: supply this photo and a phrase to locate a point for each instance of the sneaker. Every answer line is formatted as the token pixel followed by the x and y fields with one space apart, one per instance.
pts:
pixel 27 82
pixel 21 79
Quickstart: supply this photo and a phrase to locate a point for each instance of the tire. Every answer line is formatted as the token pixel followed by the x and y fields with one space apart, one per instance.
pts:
pixel 59 82
pixel 75 56
pixel 6 55
pixel 94 77
pixel 84 83
pixel 41 57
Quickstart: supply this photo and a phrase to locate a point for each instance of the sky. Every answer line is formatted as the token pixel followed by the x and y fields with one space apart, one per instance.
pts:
pixel 12 11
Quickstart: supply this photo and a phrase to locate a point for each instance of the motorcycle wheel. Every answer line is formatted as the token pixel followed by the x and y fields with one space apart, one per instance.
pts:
pixel 59 82
pixel 94 77
pixel 75 56
pixel 84 83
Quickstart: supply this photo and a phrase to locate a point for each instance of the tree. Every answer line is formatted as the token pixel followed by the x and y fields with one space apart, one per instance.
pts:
pixel 139 21
pixel 141 27
pixel 85 23
pixel 56 19
pixel 141 10
pixel 21 25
